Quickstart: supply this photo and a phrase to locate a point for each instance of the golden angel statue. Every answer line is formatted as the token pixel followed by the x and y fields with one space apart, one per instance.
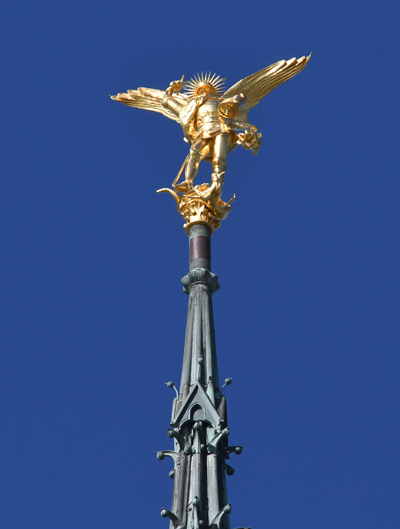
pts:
pixel 213 122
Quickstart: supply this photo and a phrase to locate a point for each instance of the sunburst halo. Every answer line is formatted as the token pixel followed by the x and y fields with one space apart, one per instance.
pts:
pixel 214 80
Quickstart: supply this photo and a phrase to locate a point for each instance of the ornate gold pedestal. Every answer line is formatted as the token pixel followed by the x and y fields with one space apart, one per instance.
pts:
pixel 202 205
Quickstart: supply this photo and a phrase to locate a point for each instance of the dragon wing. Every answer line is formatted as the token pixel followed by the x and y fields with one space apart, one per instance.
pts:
pixel 260 84
pixel 149 99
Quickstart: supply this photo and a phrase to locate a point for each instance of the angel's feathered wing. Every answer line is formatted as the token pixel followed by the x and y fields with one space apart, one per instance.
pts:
pixel 260 84
pixel 148 99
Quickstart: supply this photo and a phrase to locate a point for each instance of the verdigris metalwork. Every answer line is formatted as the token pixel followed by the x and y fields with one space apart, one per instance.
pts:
pixel 214 122
pixel 200 275
pixel 199 424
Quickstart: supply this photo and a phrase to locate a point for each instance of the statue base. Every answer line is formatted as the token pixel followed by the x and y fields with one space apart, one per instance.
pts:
pixel 201 204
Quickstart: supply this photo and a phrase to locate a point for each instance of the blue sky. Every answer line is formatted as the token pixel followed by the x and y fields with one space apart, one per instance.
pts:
pixel 92 311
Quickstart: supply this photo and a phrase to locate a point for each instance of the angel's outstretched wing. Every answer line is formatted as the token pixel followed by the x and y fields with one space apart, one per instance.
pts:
pixel 149 99
pixel 260 84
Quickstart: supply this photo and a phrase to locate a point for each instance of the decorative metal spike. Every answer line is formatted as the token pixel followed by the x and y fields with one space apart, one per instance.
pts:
pixel 237 449
pixel 228 382
pixel 169 453
pixel 174 519
pixel 229 470
pixel 170 384
pixel 178 437
pixel 225 510
pixel 200 361
pixel 212 445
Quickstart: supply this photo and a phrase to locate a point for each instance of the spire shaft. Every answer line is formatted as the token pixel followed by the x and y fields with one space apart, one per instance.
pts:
pixel 199 419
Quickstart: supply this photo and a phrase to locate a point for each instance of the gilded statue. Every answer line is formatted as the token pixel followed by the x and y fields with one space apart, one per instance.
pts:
pixel 214 122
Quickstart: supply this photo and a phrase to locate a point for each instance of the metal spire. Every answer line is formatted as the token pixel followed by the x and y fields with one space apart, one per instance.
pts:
pixel 214 124
pixel 199 423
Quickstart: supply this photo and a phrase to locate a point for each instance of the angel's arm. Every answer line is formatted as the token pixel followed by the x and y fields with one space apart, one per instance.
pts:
pixel 250 139
pixel 172 103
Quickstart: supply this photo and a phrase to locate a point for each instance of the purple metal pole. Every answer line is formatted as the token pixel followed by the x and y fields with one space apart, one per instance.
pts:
pixel 200 247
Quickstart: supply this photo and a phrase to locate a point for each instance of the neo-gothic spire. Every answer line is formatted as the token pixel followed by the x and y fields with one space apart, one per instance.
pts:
pixel 214 124
pixel 199 423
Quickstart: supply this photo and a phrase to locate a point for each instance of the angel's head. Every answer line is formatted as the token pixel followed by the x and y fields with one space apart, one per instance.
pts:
pixel 204 89
pixel 204 85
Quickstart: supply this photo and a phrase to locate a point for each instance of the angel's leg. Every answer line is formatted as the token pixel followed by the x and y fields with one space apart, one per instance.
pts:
pixel 198 151
pixel 222 147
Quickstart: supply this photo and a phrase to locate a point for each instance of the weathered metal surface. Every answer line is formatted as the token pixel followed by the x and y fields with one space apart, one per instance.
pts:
pixel 199 414
pixel 200 247
pixel 200 275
